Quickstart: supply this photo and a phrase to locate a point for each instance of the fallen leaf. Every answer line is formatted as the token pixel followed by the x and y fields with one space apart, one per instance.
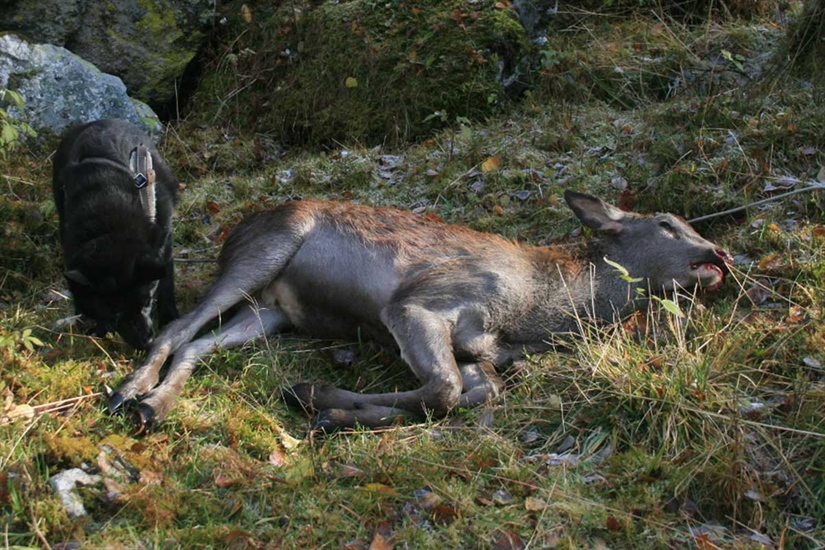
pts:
pixel 427 499
pixel 626 200
pixel 502 497
pixel 213 207
pixel 444 514
pixel 288 441
pixel 532 504
pixel 811 363
pixel 5 494
pixel 613 524
pixel 277 458
pixel 148 477
pixel 348 470
pixel 222 480
pixel 796 315
pixel 246 13
pixel 491 164
pixel 381 537
pixel 351 82
pixel 507 540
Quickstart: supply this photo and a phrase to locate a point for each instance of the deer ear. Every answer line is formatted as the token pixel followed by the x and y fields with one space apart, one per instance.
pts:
pixel 594 212
pixel 77 277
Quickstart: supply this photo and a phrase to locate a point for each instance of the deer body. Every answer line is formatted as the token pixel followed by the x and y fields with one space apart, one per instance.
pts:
pixel 455 302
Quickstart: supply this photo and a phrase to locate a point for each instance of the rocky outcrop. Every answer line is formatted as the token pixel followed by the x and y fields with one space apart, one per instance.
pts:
pixel 61 89
pixel 147 43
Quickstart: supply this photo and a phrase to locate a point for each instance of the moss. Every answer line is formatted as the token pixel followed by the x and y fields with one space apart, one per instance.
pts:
pixel 163 37
pixel 375 72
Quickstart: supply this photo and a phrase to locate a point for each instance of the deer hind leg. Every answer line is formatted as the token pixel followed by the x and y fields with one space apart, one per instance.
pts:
pixel 424 339
pixel 238 280
pixel 249 324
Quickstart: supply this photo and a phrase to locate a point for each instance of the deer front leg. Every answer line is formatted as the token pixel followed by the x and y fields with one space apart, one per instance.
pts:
pixel 424 339
pixel 480 384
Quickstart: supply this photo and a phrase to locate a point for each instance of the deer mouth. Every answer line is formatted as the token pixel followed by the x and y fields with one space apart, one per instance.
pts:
pixel 710 274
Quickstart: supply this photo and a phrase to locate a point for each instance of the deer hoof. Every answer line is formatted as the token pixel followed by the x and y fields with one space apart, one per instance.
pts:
pixel 143 418
pixel 116 401
pixel 300 396
pixel 330 421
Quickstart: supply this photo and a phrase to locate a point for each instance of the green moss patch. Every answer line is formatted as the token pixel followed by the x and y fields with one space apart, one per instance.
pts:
pixel 373 72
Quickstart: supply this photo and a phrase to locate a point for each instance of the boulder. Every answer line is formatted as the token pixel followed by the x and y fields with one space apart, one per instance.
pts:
pixel 147 43
pixel 61 89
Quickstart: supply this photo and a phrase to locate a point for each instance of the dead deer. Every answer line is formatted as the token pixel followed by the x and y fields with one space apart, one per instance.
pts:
pixel 457 303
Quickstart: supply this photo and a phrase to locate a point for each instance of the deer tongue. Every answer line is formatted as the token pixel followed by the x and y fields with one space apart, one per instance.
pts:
pixel 710 272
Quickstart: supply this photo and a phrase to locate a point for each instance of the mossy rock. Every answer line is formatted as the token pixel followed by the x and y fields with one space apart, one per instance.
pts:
pixel 146 43
pixel 369 71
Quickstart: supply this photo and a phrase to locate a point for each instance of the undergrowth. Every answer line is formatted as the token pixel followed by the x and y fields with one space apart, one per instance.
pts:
pixel 659 432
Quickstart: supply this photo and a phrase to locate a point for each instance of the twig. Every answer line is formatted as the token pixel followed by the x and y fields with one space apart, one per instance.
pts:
pixel 194 260
pixel 818 186
pixel 38 532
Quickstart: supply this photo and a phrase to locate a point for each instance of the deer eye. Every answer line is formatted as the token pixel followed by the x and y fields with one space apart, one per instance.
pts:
pixel 666 226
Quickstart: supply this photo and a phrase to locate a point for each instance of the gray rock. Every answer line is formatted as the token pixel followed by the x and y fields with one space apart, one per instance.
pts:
pixel 61 89
pixel 65 484
pixel 146 43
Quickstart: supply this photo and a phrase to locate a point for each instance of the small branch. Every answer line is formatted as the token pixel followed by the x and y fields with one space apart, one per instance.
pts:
pixel 194 261
pixel 818 186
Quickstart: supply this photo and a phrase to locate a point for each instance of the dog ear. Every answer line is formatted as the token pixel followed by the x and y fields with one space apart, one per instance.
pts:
pixel 149 268
pixel 77 277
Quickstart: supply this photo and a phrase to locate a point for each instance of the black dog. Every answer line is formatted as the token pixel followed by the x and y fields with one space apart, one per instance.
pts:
pixel 116 227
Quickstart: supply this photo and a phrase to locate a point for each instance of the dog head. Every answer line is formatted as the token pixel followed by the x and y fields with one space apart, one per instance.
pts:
pixel 113 281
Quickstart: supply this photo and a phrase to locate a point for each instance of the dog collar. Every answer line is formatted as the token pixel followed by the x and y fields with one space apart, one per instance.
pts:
pixel 140 163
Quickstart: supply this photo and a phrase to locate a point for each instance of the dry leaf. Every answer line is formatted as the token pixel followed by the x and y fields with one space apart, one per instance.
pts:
pixel 382 536
pixel 351 82
pixel 222 480
pixel 277 458
pixel 148 477
pixel 348 470
pixel 613 524
pixel 288 441
pixel 5 494
pixel 428 500
pixel 491 164
pixel 532 504
pixel 444 514
pixel 508 540
pixel 246 13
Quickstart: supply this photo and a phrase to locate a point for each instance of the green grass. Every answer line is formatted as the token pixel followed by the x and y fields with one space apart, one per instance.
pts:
pixel 703 432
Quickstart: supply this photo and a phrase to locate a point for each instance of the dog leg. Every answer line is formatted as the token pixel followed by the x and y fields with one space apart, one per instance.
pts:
pixel 424 339
pixel 249 324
